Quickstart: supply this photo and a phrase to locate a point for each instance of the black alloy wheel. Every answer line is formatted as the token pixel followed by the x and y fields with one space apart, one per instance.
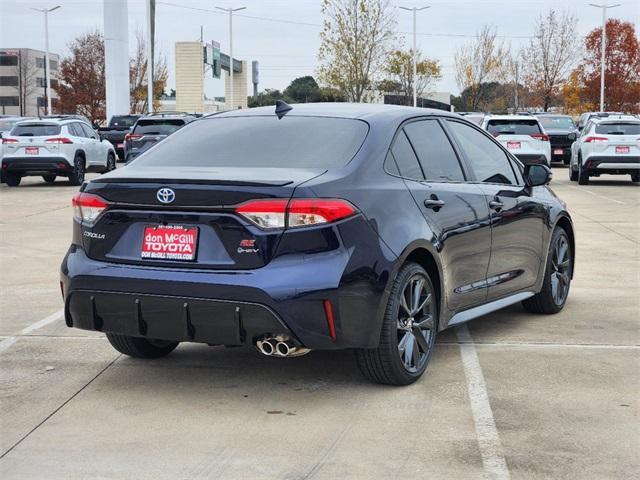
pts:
pixel 111 162
pixel 408 332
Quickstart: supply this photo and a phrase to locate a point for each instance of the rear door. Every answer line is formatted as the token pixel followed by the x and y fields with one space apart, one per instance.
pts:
pixel 455 211
pixel 92 143
pixel 517 217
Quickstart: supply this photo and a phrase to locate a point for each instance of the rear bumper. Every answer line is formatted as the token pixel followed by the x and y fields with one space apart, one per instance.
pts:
pixel 36 165
pixel 613 162
pixel 227 307
pixel 528 159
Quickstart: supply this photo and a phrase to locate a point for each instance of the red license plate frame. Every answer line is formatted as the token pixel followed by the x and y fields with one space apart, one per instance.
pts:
pixel 513 145
pixel 32 150
pixel 623 149
pixel 169 242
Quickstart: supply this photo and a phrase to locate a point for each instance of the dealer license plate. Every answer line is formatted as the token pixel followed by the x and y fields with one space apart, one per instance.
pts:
pixel 557 151
pixel 32 150
pixel 622 149
pixel 513 145
pixel 169 242
pixel 120 145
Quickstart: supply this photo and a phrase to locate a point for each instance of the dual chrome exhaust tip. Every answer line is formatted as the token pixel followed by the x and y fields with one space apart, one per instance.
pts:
pixel 279 346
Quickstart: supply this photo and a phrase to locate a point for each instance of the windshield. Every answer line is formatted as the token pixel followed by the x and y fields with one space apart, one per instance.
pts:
pixel 618 128
pixel 35 130
pixel 558 123
pixel 123 121
pixel 261 141
pixel 513 127
pixel 157 127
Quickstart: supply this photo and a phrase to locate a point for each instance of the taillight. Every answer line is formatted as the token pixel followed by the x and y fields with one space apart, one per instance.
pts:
pixel 9 140
pixel 58 140
pixel 299 212
pixel 540 136
pixel 87 207
pixel 132 136
pixel 595 140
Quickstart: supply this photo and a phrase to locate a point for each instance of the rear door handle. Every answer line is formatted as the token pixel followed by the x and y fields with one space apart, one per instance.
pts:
pixel 434 203
pixel 496 205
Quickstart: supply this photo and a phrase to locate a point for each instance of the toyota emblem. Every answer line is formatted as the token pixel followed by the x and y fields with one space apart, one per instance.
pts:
pixel 166 195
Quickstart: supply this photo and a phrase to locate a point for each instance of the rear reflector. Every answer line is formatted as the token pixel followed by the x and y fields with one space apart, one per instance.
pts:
pixel 58 140
pixel 86 207
pixel 331 324
pixel 299 212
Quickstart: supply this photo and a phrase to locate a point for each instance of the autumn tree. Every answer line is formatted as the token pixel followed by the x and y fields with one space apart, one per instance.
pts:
pixel 138 78
pixel 548 57
pixel 355 39
pixel 81 81
pixel 479 63
pixel 622 67
pixel 398 71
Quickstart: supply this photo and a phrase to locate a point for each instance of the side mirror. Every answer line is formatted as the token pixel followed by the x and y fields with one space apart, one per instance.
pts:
pixel 536 175
pixel 572 136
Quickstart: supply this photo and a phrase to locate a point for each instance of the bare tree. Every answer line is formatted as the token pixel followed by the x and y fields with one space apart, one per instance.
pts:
pixel 355 39
pixel 549 56
pixel 138 77
pixel 27 74
pixel 483 61
pixel 399 73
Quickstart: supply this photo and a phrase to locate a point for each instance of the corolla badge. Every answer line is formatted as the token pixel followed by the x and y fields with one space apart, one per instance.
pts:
pixel 166 195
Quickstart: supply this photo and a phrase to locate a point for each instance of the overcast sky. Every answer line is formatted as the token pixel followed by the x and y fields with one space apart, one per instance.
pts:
pixel 283 35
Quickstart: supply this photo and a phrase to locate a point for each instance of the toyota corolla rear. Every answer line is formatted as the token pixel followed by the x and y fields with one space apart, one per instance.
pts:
pixel 213 237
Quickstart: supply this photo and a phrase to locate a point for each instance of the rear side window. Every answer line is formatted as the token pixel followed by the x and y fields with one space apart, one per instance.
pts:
pixel 488 161
pixel 437 157
pixel 158 127
pixel 513 127
pixel 261 142
pixel 35 130
pixel 618 128
pixel 406 159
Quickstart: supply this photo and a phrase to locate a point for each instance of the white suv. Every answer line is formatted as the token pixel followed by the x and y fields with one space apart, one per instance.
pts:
pixel 522 135
pixel 51 147
pixel 607 145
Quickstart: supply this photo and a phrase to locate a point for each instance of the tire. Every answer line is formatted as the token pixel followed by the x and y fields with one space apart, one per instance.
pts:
pixel 566 161
pixel 635 177
pixel 583 174
pixel 559 267
pixel 49 178
pixel 386 364
pixel 76 177
pixel 111 162
pixel 13 179
pixel 141 347
pixel 573 175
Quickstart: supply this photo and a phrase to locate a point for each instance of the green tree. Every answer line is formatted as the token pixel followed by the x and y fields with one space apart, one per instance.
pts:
pixel 303 90
pixel 267 97
pixel 355 39
pixel 399 74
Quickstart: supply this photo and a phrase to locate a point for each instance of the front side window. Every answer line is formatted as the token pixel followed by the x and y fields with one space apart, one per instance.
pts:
pixel 437 157
pixel 488 161
pixel 88 131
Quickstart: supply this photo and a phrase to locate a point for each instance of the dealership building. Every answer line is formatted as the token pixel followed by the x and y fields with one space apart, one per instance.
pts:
pixel 23 81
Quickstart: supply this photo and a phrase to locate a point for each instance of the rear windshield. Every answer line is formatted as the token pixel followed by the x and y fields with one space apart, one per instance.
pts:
pixel 513 127
pixel 293 142
pixel 122 121
pixel 618 128
pixel 35 130
pixel 564 123
pixel 158 127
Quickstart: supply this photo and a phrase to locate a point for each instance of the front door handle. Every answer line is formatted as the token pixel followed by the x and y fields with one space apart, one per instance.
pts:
pixel 496 205
pixel 434 203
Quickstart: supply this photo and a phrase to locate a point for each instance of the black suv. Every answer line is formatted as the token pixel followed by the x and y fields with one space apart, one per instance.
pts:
pixel 151 129
pixel 332 226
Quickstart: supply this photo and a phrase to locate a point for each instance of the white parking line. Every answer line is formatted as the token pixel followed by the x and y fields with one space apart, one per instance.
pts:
pixel 581 189
pixel 7 342
pixel 493 461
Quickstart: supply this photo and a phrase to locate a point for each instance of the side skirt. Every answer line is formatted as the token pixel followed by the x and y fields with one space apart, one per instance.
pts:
pixel 475 312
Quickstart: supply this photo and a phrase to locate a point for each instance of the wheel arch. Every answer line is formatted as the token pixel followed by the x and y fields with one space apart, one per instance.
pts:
pixel 565 222
pixel 82 153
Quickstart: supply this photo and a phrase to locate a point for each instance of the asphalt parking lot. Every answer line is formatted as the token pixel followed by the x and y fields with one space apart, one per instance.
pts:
pixel 562 391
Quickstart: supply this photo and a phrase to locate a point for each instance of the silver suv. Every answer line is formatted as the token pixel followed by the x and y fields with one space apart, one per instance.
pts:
pixel 54 147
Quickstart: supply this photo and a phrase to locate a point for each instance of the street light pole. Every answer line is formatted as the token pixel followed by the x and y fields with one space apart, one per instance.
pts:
pixel 230 12
pixel 47 63
pixel 415 53
pixel 603 45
